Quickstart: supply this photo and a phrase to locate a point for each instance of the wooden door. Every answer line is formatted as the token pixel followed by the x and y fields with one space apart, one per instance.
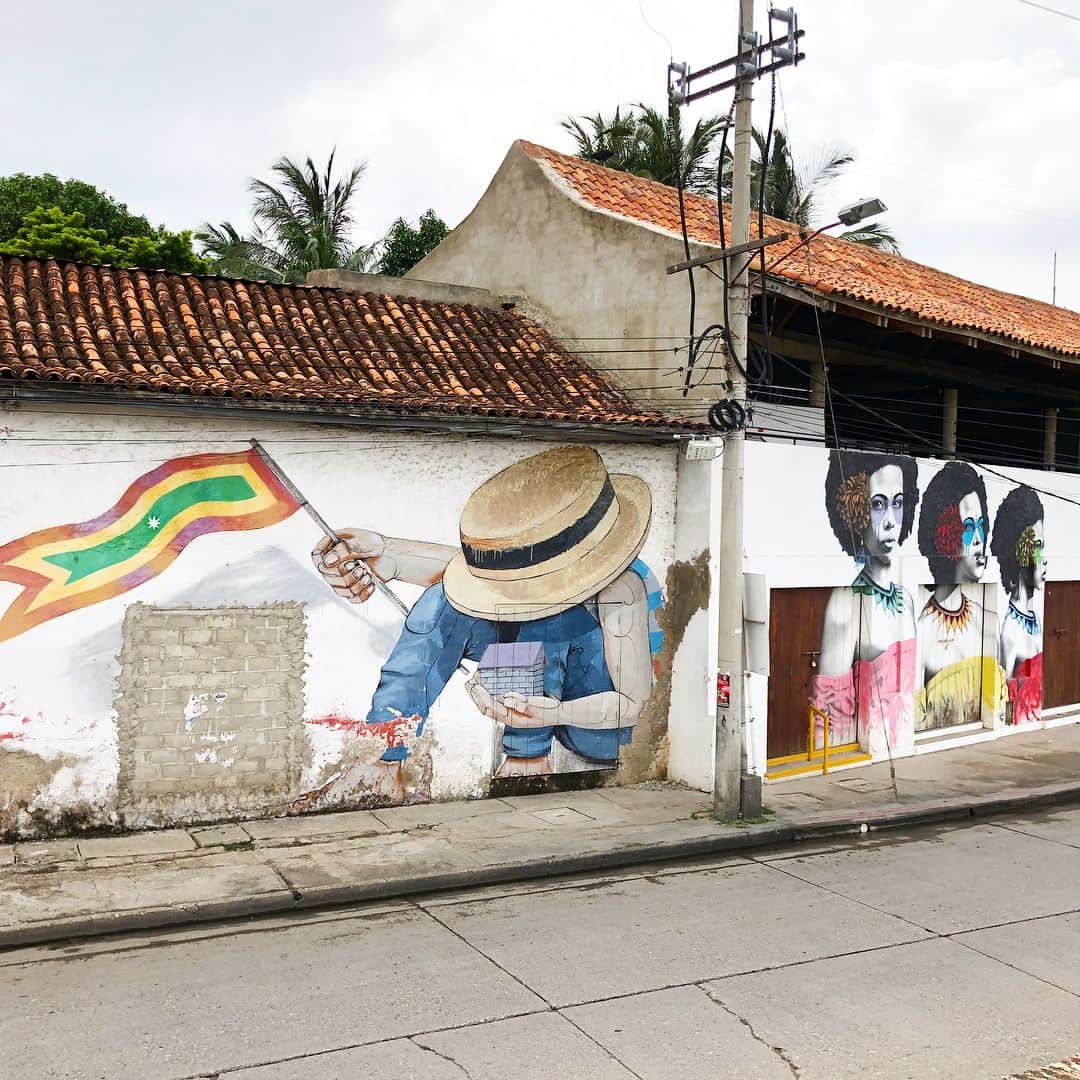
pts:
pixel 1061 644
pixel 795 620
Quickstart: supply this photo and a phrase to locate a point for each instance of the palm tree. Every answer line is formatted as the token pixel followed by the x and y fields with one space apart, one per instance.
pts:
pixel 650 145
pixel 647 144
pixel 791 194
pixel 604 141
pixel 303 224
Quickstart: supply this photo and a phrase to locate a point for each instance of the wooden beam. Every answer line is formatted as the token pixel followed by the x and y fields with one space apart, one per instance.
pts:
pixel 724 253
pixel 845 305
pixel 806 348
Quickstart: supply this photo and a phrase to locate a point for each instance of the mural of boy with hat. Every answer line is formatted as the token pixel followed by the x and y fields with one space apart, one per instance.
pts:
pixel 548 555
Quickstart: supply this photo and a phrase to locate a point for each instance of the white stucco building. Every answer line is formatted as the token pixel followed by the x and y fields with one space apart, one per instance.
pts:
pixel 168 650
pixel 923 367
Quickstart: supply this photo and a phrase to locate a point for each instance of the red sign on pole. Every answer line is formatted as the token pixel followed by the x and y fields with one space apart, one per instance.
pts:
pixel 723 690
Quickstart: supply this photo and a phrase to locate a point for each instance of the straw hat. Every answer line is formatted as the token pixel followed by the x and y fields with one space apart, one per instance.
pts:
pixel 545 534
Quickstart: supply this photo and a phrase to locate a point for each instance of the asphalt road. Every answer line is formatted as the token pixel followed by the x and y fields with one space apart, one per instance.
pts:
pixel 943 952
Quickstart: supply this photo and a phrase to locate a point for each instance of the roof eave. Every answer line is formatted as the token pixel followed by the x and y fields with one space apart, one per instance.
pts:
pixel 23 391
pixel 835 299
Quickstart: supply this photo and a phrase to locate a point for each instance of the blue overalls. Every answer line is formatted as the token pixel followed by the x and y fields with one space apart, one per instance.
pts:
pixel 437 637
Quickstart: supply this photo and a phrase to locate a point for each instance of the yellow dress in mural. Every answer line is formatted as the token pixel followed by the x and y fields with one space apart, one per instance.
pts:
pixel 962 693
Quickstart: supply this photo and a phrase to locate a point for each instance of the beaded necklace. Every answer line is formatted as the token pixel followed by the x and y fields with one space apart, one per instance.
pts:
pixel 1027 619
pixel 891 599
pixel 952 622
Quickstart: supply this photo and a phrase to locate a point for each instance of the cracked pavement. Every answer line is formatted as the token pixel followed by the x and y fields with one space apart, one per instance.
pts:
pixel 941 951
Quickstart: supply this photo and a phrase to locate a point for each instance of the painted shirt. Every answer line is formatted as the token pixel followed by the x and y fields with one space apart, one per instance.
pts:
pixel 1025 685
pixel 872 704
pixel 437 637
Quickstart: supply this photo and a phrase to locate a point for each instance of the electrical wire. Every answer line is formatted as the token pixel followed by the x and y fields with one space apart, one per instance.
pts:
pixel 725 278
pixel 679 181
pixel 864 434
pixel 641 12
pixel 829 391
pixel 763 172
pixel 725 329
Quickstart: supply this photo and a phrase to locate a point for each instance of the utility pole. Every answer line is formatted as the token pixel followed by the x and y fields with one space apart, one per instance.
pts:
pixel 734 793
pixel 728 773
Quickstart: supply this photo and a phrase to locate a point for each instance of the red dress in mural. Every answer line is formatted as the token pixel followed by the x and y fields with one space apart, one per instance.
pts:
pixel 876 696
pixel 1020 547
pixel 1026 691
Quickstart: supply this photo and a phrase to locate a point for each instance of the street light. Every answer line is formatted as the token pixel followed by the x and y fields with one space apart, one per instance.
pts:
pixel 860 211
pixel 847 215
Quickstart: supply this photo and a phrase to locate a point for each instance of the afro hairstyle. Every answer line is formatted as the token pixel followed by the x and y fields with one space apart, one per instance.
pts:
pixel 848 477
pixel 955 480
pixel 1019 510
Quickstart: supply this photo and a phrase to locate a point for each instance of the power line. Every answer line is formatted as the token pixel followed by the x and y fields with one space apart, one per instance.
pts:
pixel 1053 11
pixel 907 431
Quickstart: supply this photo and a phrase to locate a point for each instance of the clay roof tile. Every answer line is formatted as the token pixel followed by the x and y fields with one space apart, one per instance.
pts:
pixel 205 336
pixel 828 264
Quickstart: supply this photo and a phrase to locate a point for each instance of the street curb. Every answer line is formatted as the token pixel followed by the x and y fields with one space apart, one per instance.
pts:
pixel 730 839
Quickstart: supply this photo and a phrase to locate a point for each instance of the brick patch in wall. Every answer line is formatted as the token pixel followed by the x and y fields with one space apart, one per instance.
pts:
pixel 209 712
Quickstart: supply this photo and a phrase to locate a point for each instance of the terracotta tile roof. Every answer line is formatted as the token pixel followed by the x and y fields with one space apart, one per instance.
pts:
pixel 828 264
pixel 109 328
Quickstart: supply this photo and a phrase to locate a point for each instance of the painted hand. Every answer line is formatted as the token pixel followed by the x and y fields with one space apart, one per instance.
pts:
pixel 514 710
pixel 489 706
pixel 531 712
pixel 341 569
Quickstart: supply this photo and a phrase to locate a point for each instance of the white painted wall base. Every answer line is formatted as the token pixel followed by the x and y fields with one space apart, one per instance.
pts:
pixel 952 742
pixel 1061 721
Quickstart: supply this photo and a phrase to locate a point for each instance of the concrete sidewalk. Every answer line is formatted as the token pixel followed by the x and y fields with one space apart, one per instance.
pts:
pixel 78 887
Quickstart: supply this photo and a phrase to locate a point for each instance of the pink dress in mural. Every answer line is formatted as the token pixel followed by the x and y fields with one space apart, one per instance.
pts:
pixel 876 695
pixel 1026 691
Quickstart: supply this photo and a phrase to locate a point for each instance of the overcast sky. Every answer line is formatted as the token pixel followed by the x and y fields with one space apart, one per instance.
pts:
pixel 962 114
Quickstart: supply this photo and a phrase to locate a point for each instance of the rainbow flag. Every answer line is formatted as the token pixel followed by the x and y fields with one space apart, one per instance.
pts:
pixel 69 567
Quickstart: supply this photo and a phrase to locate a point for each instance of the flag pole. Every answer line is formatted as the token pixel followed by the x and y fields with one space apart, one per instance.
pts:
pixel 319 520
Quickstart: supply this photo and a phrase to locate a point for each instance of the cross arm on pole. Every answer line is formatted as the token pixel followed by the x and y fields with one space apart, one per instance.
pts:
pixel 724 253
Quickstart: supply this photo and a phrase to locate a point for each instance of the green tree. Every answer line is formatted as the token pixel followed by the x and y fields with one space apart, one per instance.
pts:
pixel 50 233
pixel 403 246
pixel 163 251
pixel 792 194
pixel 21 193
pixel 47 232
pixel 643 142
pixel 648 144
pixel 303 224
pixel 604 140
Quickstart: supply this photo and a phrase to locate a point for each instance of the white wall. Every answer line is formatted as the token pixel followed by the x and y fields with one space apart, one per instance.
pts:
pixel 587 274
pixel 64 465
pixel 788 537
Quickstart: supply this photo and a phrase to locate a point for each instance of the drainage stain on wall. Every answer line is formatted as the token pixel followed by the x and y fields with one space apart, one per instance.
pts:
pixel 23 776
pixel 209 711
pixel 686 592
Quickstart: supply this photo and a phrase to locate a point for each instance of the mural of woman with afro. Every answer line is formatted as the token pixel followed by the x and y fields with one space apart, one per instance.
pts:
pixel 1019 547
pixel 958 678
pixel 867 664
